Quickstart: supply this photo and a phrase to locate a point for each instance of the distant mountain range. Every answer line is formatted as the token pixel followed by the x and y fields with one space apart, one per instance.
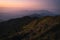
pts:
pixel 34 13
pixel 44 13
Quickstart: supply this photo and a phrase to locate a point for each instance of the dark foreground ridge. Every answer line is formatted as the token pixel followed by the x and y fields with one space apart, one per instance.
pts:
pixel 28 28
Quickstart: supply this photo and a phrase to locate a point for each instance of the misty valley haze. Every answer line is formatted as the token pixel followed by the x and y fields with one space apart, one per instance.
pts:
pixel 29 19
pixel 21 13
pixel 13 8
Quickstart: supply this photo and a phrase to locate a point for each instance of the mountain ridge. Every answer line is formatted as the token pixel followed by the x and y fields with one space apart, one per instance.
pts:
pixel 31 13
pixel 29 28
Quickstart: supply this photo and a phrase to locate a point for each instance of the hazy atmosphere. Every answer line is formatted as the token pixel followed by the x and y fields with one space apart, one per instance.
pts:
pixel 29 19
pixel 18 8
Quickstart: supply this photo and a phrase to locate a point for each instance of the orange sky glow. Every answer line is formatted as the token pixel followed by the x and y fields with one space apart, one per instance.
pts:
pixel 27 4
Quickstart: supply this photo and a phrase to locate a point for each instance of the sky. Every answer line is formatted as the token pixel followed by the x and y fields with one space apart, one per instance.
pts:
pixel 30 4
pixel 16 5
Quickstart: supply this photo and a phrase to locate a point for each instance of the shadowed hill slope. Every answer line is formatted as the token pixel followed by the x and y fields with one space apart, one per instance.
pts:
pixel 27 28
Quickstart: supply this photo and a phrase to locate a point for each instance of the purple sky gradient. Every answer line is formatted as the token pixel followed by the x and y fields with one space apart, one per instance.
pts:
pixel 11 8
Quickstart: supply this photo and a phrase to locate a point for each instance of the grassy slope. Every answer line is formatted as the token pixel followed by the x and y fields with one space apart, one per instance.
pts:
pixel 38 29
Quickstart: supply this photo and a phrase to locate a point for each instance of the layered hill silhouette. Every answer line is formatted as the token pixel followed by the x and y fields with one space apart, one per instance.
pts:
pixel 31 28
pixel 32 13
